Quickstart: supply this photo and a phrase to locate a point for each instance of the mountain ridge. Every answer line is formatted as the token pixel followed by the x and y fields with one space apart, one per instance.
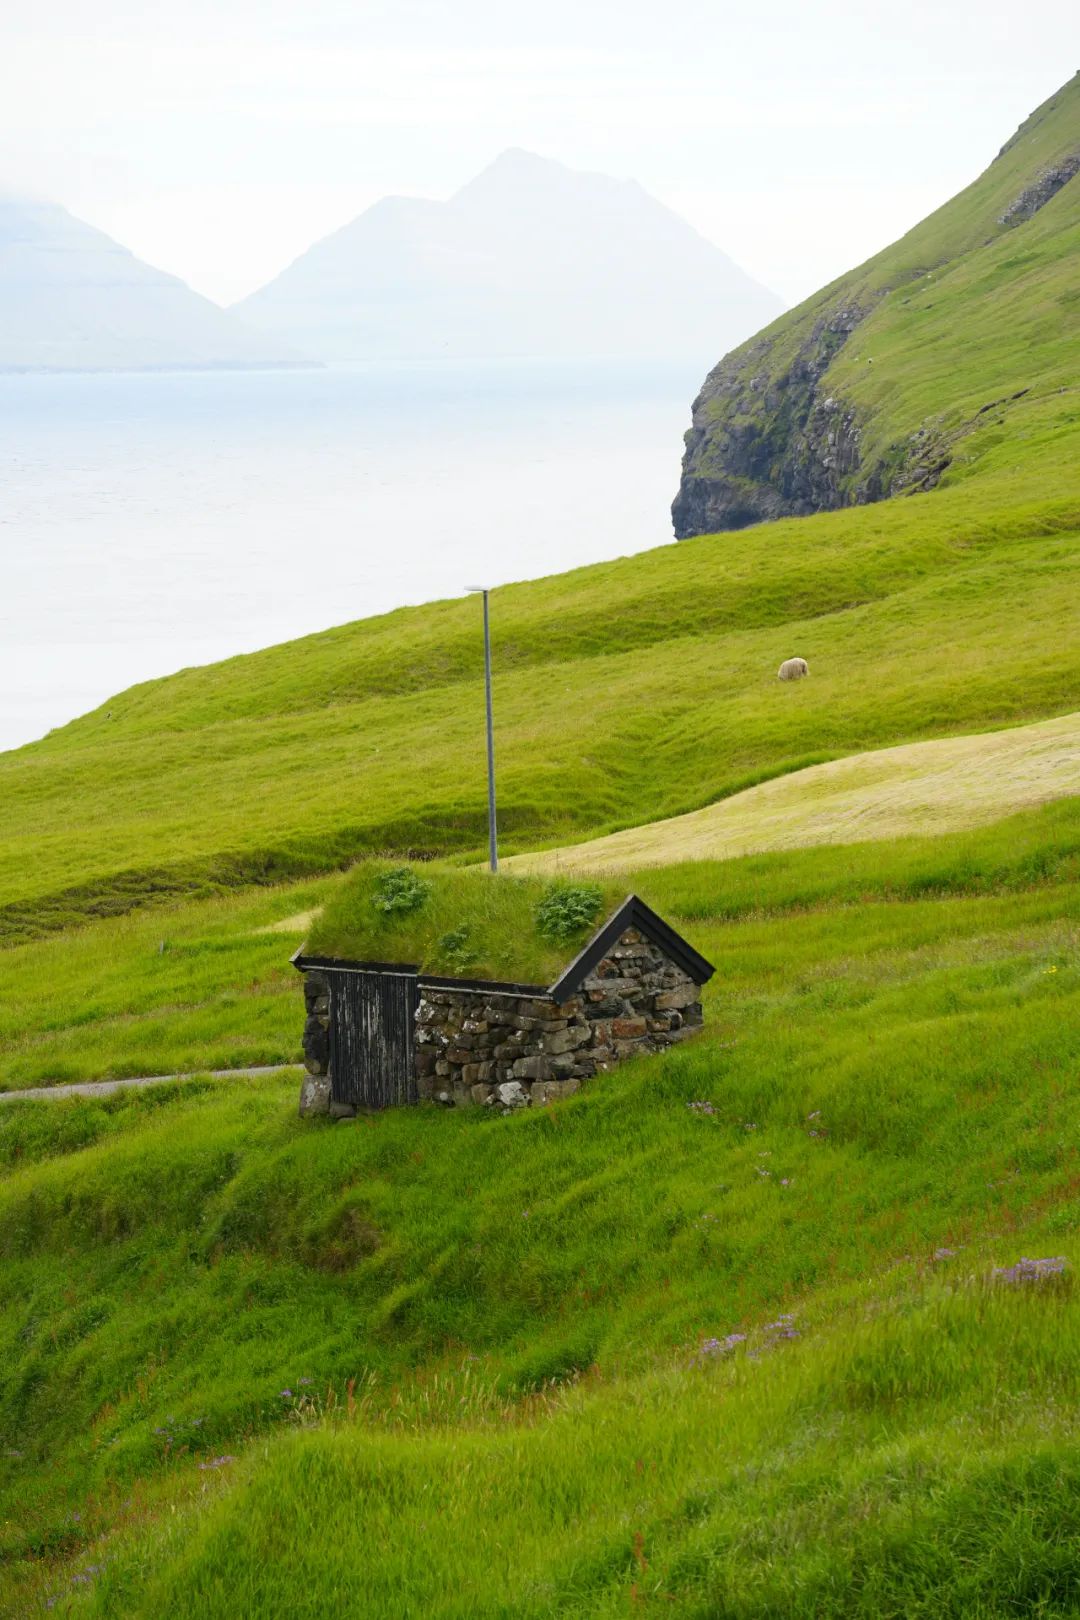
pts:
pixel 805 417
pixel 528 257
pixel 73 299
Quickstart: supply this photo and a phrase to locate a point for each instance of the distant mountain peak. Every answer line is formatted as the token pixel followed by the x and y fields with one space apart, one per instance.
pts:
pixel 72 299
pixel 529 257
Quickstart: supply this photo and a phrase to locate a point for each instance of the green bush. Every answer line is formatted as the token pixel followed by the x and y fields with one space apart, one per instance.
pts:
pixel 568 909
pixel 458 950
pixel 400 890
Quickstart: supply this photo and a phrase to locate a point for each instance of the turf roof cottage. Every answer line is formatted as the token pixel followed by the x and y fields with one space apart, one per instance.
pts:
pixel 384 1032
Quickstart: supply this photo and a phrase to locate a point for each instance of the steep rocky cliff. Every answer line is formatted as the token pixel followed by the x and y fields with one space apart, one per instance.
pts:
pixel 874 386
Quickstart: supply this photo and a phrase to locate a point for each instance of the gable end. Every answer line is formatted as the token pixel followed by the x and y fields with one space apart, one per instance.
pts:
pixel 633 913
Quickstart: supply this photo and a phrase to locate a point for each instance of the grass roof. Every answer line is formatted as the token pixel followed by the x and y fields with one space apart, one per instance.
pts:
pixel 459 923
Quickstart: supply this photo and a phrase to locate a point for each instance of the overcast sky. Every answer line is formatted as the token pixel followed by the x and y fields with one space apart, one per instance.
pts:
pixel 218 138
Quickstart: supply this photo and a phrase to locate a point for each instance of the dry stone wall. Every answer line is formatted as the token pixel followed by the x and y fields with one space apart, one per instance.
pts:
pixel 481 1047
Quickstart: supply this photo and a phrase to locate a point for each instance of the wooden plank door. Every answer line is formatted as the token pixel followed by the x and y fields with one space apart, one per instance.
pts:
pixel 372 1018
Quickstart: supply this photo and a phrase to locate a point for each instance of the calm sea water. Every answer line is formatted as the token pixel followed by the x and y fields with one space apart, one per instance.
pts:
pixel 148 523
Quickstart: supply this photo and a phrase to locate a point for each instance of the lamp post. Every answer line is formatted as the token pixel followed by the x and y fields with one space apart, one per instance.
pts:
pixel 493 848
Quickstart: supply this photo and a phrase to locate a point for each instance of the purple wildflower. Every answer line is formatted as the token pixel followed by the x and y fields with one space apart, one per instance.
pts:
pixel 286 1394
pixel 306 1380
pixel 1031 1270
pixel 216 1462
pixel 944 1254
pixel 711 1348
pixel 701 1108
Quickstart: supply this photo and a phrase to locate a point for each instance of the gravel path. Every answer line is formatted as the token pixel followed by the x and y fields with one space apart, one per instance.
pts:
pixel 105 1088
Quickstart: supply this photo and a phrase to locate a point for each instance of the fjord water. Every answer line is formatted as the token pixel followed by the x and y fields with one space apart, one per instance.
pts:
pixel 153 521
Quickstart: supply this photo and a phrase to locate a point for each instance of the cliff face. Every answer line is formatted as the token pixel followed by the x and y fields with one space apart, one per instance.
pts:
pixel 767 441
pixel 870 388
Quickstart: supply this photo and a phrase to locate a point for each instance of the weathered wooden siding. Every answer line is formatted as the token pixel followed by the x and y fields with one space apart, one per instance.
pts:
pixel 372 1017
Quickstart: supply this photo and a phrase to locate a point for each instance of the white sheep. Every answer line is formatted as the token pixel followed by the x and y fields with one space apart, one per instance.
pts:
pixel 793 669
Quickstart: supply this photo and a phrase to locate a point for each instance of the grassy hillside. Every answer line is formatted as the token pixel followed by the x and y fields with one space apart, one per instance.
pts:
pixel 201 985
pixel 918 789
pixel 179 988
pixel 517 1308
pixel 624 693
pixel 908 370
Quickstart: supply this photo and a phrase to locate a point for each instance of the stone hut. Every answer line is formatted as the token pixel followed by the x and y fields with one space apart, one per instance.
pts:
pixel 380 1033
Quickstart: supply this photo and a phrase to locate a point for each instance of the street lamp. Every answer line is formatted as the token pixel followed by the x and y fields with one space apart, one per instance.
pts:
pixel 493 850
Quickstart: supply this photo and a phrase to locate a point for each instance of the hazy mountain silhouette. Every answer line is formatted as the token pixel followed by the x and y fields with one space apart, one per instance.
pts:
pixel 530 258
pixel 72 299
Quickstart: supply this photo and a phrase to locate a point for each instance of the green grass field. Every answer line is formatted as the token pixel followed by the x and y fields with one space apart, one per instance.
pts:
pixel 722 1335
pixel 164 990
pixel 889 1070
pixel 661 703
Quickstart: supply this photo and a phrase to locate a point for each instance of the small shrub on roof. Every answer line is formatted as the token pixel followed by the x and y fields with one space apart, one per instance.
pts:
pixel 568 909
pixel 401 890
pixel 457 949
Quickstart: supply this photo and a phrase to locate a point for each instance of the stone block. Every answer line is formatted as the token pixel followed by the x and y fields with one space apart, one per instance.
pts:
pixel 512 1094
pixel 341 1110
pixel 316 1045
pixel 533 1068
pixel 457 1055
pixel 314 1096
pixel 424 1060
pixel 470 1074
pixel 481 1093
pixel 692 1014
pixel 629 1029
pixel 683 995
pixel 567 1039
pixel 628 1049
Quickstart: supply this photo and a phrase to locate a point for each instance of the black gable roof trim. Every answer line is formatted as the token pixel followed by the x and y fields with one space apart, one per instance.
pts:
pixel 633 913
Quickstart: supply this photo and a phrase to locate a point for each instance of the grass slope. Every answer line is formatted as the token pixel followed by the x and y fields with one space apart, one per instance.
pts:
pixel 918 789
pixel 655 694
pixel 966 338
pixel 171 990
pixel 884 1078
pixel 198 985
